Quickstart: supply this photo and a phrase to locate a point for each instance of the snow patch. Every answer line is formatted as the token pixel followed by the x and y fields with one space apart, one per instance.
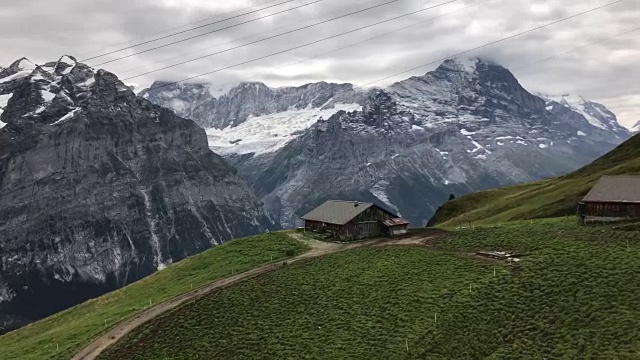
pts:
pixel 178 105
pixel 47 96
pixel 69 115
pixel 417 128
pixel 443 153
pixel 25 64
pixel 37 77
pixel 67 60
pixel 90 81
pixel 478 147
pixel 580 133
pixel 269 133
pixel 4 100
pixel 543 146
pixel 465 132
pixel 379 191
pixel 155 241
pixel 19 75
pixel 467 64
pixel 578 104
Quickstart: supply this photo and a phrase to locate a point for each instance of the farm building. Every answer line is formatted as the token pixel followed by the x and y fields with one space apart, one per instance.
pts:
pixel 354 220
pixel 613 198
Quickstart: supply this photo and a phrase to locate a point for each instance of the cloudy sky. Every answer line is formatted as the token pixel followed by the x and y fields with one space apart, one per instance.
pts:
pixel 601 63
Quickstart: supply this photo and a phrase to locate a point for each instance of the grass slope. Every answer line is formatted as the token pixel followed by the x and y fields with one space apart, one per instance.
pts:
pixel 73 328
pixel 542 199
pixel 574 296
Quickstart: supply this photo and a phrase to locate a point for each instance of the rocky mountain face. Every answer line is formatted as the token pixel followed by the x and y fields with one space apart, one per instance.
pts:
pixel 99 188
pixel 230 109
pixel 467 126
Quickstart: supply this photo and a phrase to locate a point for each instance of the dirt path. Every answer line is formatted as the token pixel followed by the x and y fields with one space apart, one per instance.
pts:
pixel 318 248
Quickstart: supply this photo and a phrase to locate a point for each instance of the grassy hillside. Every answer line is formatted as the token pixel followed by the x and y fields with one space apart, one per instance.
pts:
pixel 542 199
pixel 574 296
pixel 74 327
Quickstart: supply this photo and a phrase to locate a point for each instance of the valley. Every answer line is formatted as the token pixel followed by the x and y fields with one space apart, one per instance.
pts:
pixel 319 179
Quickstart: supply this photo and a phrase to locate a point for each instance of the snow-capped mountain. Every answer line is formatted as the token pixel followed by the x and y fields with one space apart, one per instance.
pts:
pixel 468 125
pixel 246 100
pixel 596 114
pixel 636 127
pixel 99 187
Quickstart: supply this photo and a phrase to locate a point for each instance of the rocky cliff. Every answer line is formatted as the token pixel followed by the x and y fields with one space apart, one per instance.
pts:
pixel 99 188
pixel 235 106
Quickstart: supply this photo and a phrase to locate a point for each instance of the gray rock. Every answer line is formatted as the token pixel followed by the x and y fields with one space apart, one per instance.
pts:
pixel 198 101
pixel 99 188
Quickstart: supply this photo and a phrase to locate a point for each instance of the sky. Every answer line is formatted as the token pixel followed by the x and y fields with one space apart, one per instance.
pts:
pixel 593 55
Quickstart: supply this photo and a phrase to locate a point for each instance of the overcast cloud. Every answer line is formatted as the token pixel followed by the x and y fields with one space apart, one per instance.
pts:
pixel 606 72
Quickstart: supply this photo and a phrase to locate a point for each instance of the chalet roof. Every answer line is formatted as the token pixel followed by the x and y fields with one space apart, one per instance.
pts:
pixel 624 188
pixel 395 222
pixel 337 212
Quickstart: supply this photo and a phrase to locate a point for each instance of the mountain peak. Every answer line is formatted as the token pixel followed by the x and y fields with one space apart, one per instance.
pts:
pixel 67 59
pixel 464 64
pixel 22 64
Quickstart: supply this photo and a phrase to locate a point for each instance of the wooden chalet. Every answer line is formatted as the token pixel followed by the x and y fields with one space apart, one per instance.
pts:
pixel 348 220
pixel 612 198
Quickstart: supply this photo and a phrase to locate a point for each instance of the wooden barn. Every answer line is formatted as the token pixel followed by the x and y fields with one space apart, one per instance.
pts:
pixel 612 198
pixel 348 220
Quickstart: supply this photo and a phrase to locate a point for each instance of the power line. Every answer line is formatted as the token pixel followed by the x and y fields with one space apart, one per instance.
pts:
pixel 225 43
pixel 495 42
pixel 200 35
pixel 375 37
pixel 177 27
pixel 464 52
pixel 576 48
pixel 305 27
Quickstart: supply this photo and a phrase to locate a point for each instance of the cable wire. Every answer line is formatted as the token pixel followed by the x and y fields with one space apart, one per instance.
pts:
pixel 142 68
pixel 372 38
pixel 174 28
pixel 495 42
pixel 202 26
pixel 576 48
pixel 300 46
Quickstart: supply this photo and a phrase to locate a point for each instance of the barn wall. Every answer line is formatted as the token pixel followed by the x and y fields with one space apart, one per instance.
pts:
pixel 613 210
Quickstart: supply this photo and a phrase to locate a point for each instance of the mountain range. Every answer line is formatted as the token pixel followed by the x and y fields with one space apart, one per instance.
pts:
pixel 100 187
pixel 469 125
